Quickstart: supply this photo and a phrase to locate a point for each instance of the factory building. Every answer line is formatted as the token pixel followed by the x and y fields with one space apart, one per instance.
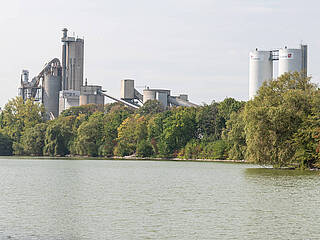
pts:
pixel 131 95
pixel 90 94
pixel 261 65
pixel 68 99
pixel 59 86
pixel 48 93
pixel 72 62
pixel 72 71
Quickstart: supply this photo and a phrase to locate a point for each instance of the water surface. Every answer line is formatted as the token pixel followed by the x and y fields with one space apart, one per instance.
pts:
pixel 88 199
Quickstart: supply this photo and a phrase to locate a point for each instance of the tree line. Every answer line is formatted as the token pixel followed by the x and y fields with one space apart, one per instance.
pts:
pixel 280 126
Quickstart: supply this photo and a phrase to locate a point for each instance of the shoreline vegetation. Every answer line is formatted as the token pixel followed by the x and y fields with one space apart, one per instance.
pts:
pixel 280 127
pixel 126 158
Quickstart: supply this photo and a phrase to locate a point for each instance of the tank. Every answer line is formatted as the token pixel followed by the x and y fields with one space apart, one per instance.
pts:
pixel 260 70
pixel 149 94
pixel 290 60
pixel 51 88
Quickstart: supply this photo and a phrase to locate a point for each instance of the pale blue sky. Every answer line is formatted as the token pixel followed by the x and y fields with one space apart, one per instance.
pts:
pixel 198 47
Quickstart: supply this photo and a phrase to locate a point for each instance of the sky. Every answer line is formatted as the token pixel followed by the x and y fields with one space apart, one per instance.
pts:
pixel 197 47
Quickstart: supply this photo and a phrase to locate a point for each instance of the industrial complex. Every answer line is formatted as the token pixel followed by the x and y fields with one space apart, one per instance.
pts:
pixel 59 85
pixel 261 65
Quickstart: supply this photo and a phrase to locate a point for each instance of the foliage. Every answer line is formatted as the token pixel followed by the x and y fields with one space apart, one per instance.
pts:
pixel 178 129
pixel 235 136
pixel 90 135
pixel 112 121
pixel 59 136
pixel 144 149
pixel 131 131
pixel 5 145
pixel 18 115
pixel 32 140
pixel 87 110
pixel 150 107
pixel 207 122
pixel 274 117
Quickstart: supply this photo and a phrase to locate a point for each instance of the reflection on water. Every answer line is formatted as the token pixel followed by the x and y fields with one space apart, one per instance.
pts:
pixel 270 172
pixel 59 199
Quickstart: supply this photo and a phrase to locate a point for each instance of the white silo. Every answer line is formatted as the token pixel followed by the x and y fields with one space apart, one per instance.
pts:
pixel 260 70
pixel 292 60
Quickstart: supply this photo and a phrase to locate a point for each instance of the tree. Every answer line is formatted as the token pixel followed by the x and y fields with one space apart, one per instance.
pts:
pixel 235 136
pixel 32 140
pixel 178 129
pixel 207 122
pixel 144 149
pixel 87 110
pixel 274 116
pixel 112 121
pixel 90 135
pixel 131 131
pixel 5 145
pixel 18 115
pixel 150 107
pixel 59 136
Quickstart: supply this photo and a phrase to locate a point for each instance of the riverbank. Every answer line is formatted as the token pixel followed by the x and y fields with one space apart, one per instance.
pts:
pixel 127 158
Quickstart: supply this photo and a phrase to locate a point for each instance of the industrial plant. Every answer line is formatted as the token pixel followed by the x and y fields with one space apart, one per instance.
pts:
pixel 261 65
pixel 59 85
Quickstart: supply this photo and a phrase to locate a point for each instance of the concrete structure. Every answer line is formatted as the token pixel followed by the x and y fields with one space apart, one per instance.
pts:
pixel 67 99
pixel 293 60
pixel 127 89
pixel 156 94
pixel 90 94
pixel 48 93
pixel 260 70
pixel 29 89
pixel 261 65
pixel 72 62
pixel 51 88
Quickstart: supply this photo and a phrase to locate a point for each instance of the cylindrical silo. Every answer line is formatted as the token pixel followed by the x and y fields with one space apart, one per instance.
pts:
pixel 51 88
pixel 149 94
pixel 260 70
pixel 290 60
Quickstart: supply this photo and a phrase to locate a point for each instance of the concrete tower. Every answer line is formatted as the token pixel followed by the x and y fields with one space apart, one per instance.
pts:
pixel 72 62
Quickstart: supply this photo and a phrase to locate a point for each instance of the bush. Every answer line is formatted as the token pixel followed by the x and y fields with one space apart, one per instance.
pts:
pixel 5 145
pixel 144 149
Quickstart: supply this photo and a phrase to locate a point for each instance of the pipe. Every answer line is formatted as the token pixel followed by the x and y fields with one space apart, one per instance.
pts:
pixel 118 100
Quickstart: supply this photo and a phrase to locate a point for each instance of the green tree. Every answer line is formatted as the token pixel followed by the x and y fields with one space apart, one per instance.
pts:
pixel 32 140
pixel 150 107
pixel 87 110
pixel 207 118
pixel 144 149
pixel 90 135
pixel 18 115
pixel 235 136
pixel 130 133
pixel 112 121
pixel 59 136
pixel 274 117
pixel 178 129
pixel 5 145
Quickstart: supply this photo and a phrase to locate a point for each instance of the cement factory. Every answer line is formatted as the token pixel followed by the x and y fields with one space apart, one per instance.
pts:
pixel 261 65
pixel 59 85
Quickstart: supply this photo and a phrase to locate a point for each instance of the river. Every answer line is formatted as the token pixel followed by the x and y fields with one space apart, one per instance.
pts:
pixel 95 199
